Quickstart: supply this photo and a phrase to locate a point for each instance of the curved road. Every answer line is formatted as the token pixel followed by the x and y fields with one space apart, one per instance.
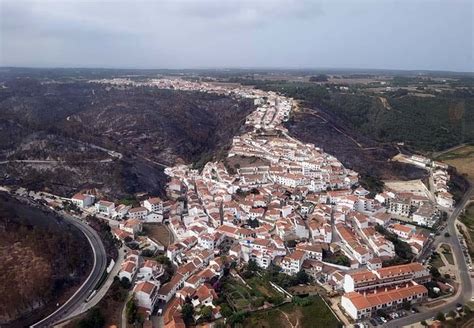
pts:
pixel 464 293
pixel 99 266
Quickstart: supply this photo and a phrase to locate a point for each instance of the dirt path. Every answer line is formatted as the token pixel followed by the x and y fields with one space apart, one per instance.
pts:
pixel 385 103
pixel 289 321
pixel 442 152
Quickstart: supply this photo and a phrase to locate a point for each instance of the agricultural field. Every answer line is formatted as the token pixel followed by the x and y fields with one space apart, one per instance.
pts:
pixel 296 314
pixel 462 159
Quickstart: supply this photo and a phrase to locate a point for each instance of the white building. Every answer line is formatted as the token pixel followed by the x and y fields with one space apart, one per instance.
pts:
pixel 291 264
pixel 154 204
pixel 138 213
pixel 445 199
pixel 105 208
pixel 128 270
pixel 82 200
pixel 146 294
pixel 132 226
pixel 401 231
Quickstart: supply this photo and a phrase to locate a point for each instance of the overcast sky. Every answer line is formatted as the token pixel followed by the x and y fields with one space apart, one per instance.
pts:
pixel 412 34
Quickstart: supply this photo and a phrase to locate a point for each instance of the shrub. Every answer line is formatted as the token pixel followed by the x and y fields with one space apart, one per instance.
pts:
pixel 440 316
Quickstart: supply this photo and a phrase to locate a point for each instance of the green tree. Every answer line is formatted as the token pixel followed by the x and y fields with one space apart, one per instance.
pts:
pixel 187 311
pixel 226 311
pixel 252 266
pixel 131 311
pixel 302 277
pixel 435 272
pixel 206 313
pixel 237 317
pixel 125 283
pixel 163 260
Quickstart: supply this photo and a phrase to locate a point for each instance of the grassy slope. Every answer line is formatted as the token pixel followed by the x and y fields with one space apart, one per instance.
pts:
pixel 307 316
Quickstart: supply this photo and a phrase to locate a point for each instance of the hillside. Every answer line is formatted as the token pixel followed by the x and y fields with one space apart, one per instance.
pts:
pixel 427 118
pixel 365 126
pixel 73 126
pixel 29 241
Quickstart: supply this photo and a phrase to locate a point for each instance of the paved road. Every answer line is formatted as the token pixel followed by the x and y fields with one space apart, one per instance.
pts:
pixel 100 292
pixel 465 293
pixel 99 266
pixel 54 162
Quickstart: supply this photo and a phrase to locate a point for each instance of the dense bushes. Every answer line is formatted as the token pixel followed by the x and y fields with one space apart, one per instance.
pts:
pixel 402 249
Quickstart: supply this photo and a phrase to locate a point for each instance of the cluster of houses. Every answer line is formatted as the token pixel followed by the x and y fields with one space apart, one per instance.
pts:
pixel 145 276
pixel 439 178
pixel 291 192
pixel 410 206
pixel 130 219
pixel 151 210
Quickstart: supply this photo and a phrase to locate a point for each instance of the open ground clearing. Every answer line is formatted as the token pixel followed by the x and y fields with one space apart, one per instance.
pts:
pixel 413 186
pixel 462 159
pixel 159 232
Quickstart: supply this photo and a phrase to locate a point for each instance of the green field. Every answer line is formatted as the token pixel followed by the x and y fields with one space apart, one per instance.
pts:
pixel 316 314
pixel 263 288
pixel 237 294
pixel 245 298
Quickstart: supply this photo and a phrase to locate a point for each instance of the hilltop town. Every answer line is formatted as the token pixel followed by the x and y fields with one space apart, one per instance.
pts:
pixel 277 204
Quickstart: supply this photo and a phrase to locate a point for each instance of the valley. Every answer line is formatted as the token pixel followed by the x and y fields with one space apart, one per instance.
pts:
pixel 52 133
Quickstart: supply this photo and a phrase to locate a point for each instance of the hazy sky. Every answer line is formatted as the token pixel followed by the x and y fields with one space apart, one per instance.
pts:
pixel 411 34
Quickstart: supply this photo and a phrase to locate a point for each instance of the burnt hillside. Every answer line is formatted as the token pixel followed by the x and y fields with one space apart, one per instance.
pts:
pixel 48 120
pixel 34 277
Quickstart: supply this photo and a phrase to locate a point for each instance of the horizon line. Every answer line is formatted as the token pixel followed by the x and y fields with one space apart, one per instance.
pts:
pixel 243 68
